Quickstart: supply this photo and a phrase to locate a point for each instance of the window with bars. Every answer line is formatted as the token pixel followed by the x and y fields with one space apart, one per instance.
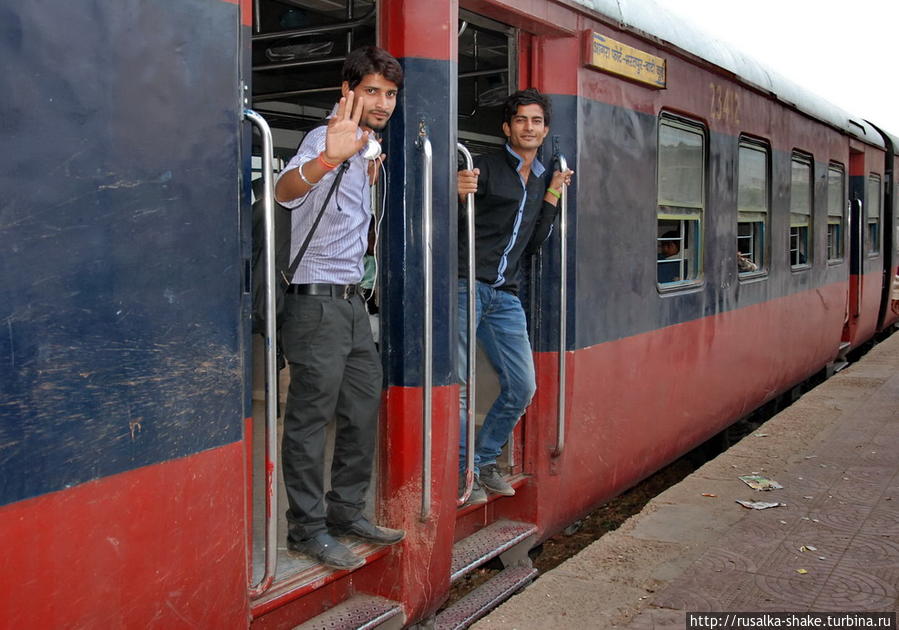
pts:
pixel 752 206
pixel 836 211
pixel 801 210
pixel 681 201
pixel 872 215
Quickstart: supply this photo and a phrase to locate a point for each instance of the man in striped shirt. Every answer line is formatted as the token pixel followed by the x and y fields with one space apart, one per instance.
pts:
pixel 335 370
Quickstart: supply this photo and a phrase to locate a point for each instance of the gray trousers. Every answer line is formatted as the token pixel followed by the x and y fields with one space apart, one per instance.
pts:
pixel 335 372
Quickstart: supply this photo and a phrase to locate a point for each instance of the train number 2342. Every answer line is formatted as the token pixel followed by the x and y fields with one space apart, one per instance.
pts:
pixel 725 104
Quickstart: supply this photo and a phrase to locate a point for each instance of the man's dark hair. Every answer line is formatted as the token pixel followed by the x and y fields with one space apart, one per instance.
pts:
pixel 530 96
pixel 371 60
pixel 667 238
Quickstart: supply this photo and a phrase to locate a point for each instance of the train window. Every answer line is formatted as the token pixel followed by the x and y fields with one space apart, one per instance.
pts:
pixel 801 211
pixel 836 204
pixel 872 212
pixel 752 207
pixel 680 201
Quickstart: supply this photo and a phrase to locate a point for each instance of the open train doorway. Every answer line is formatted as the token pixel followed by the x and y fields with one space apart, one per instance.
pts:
pixel 488 65
pixel 298 48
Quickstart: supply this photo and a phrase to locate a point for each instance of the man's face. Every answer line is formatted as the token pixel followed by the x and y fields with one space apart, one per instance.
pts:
pixel 527 129
pixel 379 96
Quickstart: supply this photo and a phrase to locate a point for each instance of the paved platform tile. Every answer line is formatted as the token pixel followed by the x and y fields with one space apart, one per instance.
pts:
pixel 856 590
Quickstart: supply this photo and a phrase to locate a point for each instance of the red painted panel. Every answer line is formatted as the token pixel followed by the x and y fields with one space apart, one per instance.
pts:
pixel 157 547
pixel 534 16
pixel 418 575
pixel 638 403
pixel 246 12
pixel 555 65
pixel 411 28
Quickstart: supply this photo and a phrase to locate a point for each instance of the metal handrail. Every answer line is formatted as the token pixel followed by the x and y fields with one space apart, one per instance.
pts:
pixel 563 310
pixel 470 385
pixel 297 64
pixel 271 367
pixel 427 337
pixel 862 226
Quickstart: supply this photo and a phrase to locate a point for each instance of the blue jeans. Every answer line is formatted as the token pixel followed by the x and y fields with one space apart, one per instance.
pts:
pixel 502 334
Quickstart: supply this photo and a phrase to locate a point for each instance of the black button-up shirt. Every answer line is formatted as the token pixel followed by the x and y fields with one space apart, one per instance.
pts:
pixel 511 219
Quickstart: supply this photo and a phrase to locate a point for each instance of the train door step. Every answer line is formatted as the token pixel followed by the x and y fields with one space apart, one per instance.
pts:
pixel 500 538
pixel 840 362
pixel 485 598
pixel 362 612
pixel 300 576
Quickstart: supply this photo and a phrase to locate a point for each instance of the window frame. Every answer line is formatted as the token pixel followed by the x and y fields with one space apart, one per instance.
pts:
pixel 834 166
pixel 798 156
pixel 878 245
pixel 764 147
pixel 697 231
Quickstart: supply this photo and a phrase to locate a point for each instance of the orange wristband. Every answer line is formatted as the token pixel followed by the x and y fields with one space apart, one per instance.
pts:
pixel 326 163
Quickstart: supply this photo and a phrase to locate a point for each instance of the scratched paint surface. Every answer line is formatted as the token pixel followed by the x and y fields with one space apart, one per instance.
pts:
pixel 121 274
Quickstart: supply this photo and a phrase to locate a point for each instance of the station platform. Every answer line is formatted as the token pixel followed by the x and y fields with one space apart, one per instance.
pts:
pixel 834 546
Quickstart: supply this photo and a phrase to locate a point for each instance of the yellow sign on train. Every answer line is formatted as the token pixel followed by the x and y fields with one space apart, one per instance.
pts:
pixel 604 53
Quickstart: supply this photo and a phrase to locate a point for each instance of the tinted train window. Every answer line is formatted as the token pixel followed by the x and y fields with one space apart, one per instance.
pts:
pixel 752 207
pixel 872 212
pixel 836 205
pixel 801 211
pixel 680 201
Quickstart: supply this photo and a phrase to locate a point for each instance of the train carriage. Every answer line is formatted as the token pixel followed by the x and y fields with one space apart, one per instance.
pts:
pixel 138 445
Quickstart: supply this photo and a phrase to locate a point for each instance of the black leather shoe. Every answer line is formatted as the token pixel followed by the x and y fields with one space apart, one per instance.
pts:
pixel 365 531
pixel 323 548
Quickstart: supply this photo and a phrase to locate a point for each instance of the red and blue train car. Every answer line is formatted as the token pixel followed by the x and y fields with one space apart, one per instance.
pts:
pixel 133 483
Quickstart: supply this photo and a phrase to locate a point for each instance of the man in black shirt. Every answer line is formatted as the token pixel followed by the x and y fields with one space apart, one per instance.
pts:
pixel 516 204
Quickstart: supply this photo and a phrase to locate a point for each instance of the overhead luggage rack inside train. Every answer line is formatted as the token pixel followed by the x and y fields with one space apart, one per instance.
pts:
pixel 297 47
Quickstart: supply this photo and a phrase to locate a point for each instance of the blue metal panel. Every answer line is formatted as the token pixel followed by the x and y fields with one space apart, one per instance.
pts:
pixel 428 99
pixel 616 294
pixel 121 287
pixel 543 318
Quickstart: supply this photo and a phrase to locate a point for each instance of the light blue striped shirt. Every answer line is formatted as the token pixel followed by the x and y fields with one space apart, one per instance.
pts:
pixel 335 252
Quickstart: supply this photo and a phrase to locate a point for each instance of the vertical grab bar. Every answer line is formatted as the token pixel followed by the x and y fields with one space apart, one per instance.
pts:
pixel 428 340
pixel 563 310
pixel 862 227
pixel 472 342
pixel 271 369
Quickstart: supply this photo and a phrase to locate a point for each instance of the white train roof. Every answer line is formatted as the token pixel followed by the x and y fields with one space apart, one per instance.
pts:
pixel 649 20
